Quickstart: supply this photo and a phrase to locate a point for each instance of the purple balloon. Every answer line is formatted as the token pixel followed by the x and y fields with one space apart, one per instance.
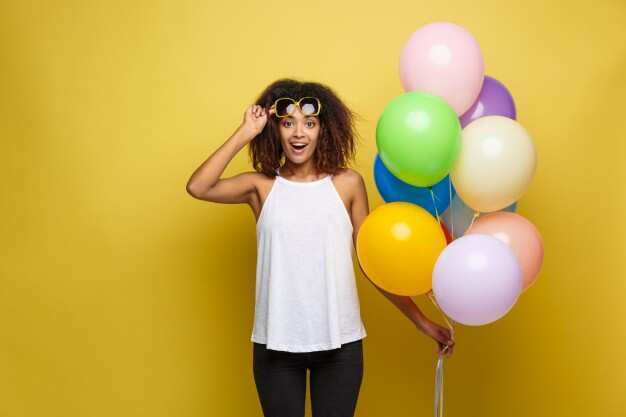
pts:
pixel 477 279
pixel 494 100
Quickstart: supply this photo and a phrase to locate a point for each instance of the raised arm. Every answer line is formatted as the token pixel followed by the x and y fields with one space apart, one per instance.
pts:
pixel 205 182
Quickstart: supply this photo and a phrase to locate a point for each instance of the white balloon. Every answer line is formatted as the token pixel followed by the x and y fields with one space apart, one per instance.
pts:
pixel 496 163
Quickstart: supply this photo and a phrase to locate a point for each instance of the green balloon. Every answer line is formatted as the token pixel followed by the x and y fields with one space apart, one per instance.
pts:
pixel 418 137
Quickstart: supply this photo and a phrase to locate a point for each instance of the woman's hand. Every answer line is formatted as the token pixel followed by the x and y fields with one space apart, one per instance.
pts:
pixel 441 335
pixel 254 120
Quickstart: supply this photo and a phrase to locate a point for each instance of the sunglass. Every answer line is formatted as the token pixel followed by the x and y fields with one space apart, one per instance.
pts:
pixel 285 106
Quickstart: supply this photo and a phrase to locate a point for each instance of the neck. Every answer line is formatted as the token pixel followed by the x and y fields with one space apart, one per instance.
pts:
pixel 303 172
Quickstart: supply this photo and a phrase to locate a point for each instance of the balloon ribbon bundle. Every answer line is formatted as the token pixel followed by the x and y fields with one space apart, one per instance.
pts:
pixel 439 367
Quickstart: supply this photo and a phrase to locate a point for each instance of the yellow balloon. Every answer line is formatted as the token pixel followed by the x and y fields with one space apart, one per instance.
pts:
pixel 397 246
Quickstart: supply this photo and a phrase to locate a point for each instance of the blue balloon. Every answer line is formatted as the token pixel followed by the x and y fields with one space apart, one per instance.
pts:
pixel 393 189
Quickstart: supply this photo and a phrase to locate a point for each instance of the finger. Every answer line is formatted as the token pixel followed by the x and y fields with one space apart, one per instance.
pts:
pixel 446 344
pixel 449 351
pixel 442 336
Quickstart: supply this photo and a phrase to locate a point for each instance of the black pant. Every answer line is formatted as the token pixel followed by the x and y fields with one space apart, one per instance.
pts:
pixel 335 377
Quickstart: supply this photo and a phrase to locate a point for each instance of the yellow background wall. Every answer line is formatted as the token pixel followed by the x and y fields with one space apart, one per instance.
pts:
pixel 120 295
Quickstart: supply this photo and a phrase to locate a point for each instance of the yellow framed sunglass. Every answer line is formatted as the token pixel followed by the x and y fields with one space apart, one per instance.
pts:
pixel 285 106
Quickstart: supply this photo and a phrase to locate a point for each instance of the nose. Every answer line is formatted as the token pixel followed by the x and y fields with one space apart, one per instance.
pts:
pixel 299 130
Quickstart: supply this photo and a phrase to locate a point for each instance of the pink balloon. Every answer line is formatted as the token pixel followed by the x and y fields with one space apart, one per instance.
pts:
pixel 476 279
pixel 444 59
pixel 522 237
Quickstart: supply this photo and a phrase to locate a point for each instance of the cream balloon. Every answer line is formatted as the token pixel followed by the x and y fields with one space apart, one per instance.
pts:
pixel 496 163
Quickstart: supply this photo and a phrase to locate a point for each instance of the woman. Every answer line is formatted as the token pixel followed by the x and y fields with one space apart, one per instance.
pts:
pixel 308 206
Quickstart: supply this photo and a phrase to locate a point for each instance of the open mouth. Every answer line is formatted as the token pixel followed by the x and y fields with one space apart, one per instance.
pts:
pixel 298 147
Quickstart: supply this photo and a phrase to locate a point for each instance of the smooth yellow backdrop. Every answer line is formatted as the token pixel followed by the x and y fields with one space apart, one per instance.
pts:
pixel 120 295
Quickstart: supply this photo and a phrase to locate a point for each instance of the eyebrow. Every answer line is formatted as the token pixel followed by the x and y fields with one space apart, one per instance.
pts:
pixel 305 117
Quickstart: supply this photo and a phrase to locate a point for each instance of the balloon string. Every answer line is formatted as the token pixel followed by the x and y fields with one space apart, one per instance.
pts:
pixel 476 214
pixel 448 322
pixel 439 366
pixel 432 195
pixel 439 387
pixel 451 208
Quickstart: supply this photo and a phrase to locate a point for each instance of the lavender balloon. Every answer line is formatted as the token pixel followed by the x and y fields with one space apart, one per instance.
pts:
pixel 477 279
pixel 494 100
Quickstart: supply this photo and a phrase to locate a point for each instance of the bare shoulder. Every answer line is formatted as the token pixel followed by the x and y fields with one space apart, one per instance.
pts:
pixel 255 178
pixel 350 177
pixel 261 180
pixel 349 183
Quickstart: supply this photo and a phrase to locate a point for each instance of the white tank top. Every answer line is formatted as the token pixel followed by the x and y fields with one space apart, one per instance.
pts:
pixel 306 294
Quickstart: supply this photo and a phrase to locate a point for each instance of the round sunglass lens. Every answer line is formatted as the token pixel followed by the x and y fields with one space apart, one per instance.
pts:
pixel 284 107
pixel 308 106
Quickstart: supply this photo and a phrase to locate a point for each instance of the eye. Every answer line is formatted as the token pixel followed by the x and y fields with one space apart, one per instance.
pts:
pixel 286 123
pixel 311 123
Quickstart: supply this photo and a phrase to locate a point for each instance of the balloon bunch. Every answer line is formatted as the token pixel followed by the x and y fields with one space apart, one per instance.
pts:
pixel 451 144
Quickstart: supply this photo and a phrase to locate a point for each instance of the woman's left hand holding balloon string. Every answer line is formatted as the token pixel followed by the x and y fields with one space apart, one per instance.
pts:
pixel 440 334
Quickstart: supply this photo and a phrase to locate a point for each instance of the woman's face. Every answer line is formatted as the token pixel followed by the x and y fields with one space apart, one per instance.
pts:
pixel 299 129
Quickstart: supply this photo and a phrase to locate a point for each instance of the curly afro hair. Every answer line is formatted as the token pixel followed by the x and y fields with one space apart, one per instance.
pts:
pixel 336 143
